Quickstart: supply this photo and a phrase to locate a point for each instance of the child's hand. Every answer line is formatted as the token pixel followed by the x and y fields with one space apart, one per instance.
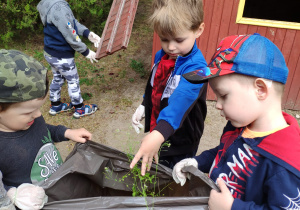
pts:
pixel 148 150
pixel 78 135
pixel 137 117
pixel 94 38
pixel 220 200
pixel 178 175
pixel 28 196
pixel 91 56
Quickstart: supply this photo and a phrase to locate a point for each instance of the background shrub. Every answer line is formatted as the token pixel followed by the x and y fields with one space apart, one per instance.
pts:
pixel 20 18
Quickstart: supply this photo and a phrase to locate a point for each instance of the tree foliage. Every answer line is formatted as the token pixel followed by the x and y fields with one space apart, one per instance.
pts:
pixel 20 18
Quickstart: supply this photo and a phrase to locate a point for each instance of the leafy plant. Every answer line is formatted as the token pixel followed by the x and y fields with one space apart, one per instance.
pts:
pixel 140 185
pixel 17 17
pixel 87 96
pixel 138 67
pixel 39 55
pixel 96 10
pixel 20 18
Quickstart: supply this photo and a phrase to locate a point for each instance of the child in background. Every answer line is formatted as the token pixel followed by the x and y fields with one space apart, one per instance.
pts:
pixel 61 40
pixel 174 109
pixel 257 163
pixel 27 150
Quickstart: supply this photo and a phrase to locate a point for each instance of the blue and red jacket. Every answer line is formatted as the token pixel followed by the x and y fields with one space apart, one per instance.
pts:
pixel 182 107
pixel 261 173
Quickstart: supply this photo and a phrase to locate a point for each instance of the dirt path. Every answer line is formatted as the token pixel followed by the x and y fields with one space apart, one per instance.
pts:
pixel 115 130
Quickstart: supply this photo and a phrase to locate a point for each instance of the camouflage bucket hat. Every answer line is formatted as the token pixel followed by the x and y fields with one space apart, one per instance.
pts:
pixel 22 78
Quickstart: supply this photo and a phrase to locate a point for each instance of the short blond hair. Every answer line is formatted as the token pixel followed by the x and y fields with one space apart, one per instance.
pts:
pixel 170 17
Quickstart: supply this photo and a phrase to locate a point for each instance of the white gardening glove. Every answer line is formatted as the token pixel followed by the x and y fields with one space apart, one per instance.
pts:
pixel 91 56
pixel 137 117
pixel 178 175
pixel 94 38
pixel 28 196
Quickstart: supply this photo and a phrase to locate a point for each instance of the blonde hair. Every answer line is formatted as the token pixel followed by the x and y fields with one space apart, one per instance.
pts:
pixel 171 17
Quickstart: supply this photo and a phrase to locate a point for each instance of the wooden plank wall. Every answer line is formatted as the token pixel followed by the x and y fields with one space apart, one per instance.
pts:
pixel 220 21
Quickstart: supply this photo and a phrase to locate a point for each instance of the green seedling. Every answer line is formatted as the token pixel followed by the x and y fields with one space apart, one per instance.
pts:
pixel 140 186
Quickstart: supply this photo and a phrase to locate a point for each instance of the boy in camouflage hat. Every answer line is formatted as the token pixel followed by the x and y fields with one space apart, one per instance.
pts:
pixel 27 150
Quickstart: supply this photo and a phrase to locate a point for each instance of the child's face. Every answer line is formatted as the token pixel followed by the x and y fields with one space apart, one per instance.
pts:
pixel 236 100
pixel 181 44
pixel 20 116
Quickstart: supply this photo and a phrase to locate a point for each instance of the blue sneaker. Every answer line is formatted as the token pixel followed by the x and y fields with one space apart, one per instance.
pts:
pixel 86 109
pixel 63 107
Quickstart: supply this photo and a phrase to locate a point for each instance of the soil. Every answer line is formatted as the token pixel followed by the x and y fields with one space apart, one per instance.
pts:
pixel 121 93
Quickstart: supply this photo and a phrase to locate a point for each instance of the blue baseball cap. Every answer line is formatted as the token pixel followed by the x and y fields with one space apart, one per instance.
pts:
pixel 252 55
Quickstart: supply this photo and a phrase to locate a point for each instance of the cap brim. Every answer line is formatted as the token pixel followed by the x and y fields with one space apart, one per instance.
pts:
pixel 197 76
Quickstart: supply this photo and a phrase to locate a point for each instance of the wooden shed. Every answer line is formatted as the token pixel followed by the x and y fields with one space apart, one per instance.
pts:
pixel 277 20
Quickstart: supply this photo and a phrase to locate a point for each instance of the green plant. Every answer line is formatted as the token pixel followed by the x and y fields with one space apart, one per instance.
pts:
pixel 96 10
pixel 86 81
pixel 17 16
pixel 138 67
pixel 140 185
pixel 39 55
pixel 86 96
pixel 123 73
pixel 20 18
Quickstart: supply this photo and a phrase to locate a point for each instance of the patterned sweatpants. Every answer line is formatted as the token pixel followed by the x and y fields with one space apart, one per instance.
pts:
pixel 64 69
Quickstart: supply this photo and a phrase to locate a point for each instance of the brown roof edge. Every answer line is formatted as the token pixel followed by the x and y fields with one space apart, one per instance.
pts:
pixel 117 28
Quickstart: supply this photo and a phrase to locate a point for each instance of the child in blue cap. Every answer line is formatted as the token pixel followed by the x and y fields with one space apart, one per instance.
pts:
pixel 256 164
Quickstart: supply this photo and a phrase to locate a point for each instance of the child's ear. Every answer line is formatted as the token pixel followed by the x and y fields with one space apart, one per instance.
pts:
pixel 262 89
pixel 200 30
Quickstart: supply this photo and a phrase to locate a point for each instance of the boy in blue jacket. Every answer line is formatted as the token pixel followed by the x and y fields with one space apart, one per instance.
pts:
pixel 61 41
pixel 257 163
pixel 174 109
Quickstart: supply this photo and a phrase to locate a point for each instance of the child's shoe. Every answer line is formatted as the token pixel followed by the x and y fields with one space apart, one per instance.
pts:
pixel 86 109
pixel 63 107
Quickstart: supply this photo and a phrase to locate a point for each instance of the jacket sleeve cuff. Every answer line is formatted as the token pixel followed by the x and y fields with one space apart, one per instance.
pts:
pixel 61 133
pixel 86 33
pixel 86 52
pixel 164 128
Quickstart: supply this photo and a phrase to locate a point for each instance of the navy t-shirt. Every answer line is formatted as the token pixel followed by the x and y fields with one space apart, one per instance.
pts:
pixel 29 156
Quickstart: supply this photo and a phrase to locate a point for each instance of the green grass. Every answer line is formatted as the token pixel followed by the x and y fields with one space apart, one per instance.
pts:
pixel 86 81
pixel 86 96
pixel 138 67
pixel 39 55
pixel 105 82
